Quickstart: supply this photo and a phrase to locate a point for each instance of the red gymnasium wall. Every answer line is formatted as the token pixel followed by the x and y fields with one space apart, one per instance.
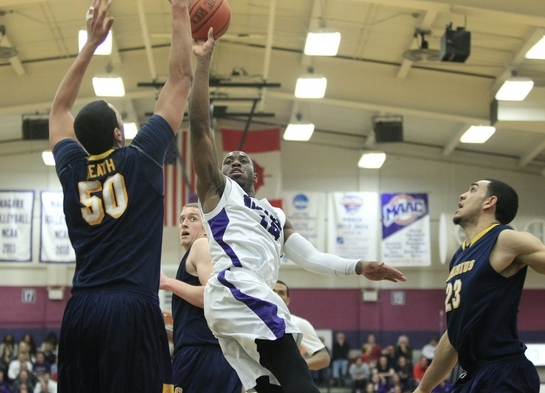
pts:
pixel 416 313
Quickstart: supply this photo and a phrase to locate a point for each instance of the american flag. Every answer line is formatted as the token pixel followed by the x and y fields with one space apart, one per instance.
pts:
pixel 179 178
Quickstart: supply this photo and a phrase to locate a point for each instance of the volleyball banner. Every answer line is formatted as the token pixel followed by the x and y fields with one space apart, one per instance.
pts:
pixel 16 209
pixel 263 147
pixel 55 244
pixel 353 225
pixel 405 230
pixel 306 212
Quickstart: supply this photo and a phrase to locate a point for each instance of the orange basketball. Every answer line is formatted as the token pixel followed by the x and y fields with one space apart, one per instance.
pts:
pixel 205 14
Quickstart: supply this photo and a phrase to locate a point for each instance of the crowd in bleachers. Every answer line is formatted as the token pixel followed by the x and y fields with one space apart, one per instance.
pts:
pixel 376 368
pixel 26 367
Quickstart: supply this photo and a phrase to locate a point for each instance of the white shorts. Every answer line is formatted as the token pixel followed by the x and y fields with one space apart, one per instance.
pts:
pixel 240 308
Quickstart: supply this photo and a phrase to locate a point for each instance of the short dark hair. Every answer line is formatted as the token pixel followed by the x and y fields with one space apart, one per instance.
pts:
pixel 94 126
pixel 286 285
pixel 508 200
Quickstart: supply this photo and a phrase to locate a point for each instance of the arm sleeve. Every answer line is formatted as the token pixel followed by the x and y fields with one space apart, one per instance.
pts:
pixel 303 253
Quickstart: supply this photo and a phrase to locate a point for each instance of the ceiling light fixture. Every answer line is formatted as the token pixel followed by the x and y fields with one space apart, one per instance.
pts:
pixel 130 130
pixel 47 156
pixel 322 43
pixel 108 85
pixel 310 85
pixel 372 160
pixel 298 131
pixel 537 51
pixel 477 134
pixel 103 49
pixel 515 89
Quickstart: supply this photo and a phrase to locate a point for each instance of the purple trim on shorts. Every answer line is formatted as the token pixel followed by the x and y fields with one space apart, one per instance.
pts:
pixel 218 224
pixel 266 311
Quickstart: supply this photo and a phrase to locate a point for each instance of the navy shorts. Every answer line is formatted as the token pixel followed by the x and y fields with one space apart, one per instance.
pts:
pixel 512 375
pixel 203 369
pixel 113 342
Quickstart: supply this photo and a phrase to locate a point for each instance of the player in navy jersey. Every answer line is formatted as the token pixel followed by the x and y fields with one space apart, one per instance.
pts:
pixel 247 238
pixel 198 365
pixel 483 292
pixel 112 335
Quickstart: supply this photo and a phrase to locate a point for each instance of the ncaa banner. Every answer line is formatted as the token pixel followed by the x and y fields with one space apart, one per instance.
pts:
pixel 405 230
pixel 16 209
pixel 306 212
pixel 353 225
pixel 55 244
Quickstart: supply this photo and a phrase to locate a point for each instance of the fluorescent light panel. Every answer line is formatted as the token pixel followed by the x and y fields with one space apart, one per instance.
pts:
pixel 477 134
pixel 130 130
pixel 372 160
pixel 515 89
pixel 298 132
pixel 108 86
pixel 103 49
pixel 310 87
pixel 537 51
pixel 47 156
pixel 322 43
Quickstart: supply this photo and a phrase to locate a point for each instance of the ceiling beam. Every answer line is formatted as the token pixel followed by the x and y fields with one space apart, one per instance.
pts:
pixel 14 61
pixel 532 153
pixel 146 38
pixel 455 141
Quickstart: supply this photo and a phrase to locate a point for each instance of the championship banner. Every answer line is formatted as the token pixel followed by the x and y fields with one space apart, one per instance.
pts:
pixel 55 244
pixel 306 212
pixel 353 225
pixel 16 209
pixel 405 230
pixel 263 147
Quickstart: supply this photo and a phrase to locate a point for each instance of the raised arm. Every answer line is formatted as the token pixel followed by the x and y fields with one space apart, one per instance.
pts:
pixel 210 180
pixel 172 100
pixel 444 360
pixel 61 121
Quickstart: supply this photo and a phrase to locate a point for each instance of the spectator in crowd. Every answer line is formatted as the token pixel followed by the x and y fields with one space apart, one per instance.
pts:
pixel 9 341
pixel 40 366
pixel 4 385
pixel 403 348
pixel 46 385
pixel 23 349
pixel 378 383
pixel 28 339
pixel 405 372
pixel 24 378
pixel 52 339
pixel 5 360
pixel 444 387
pixel 390 352
pixel 384 369
pixel 16 366
pixel 371 350
pixel 340 359
pixel 419 369
pixel 360 375
pixel 49 355
pixel 428 350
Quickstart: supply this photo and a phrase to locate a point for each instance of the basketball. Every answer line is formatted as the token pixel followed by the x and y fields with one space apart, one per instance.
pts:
pixel 205 14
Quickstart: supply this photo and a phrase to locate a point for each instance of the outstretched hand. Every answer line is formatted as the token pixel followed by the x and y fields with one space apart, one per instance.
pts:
pixel 377 271
pixel 205 48
pixel 98 26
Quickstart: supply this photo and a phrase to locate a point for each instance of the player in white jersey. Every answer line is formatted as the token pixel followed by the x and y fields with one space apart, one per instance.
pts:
pixel 247 238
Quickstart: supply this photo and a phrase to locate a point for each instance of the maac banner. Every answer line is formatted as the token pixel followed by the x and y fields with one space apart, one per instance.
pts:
pixel 263 147
pixel 179 178
pixel 16 208
pixel 353 225
pixel 306 212
pixel 55 244
pixel 406 230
